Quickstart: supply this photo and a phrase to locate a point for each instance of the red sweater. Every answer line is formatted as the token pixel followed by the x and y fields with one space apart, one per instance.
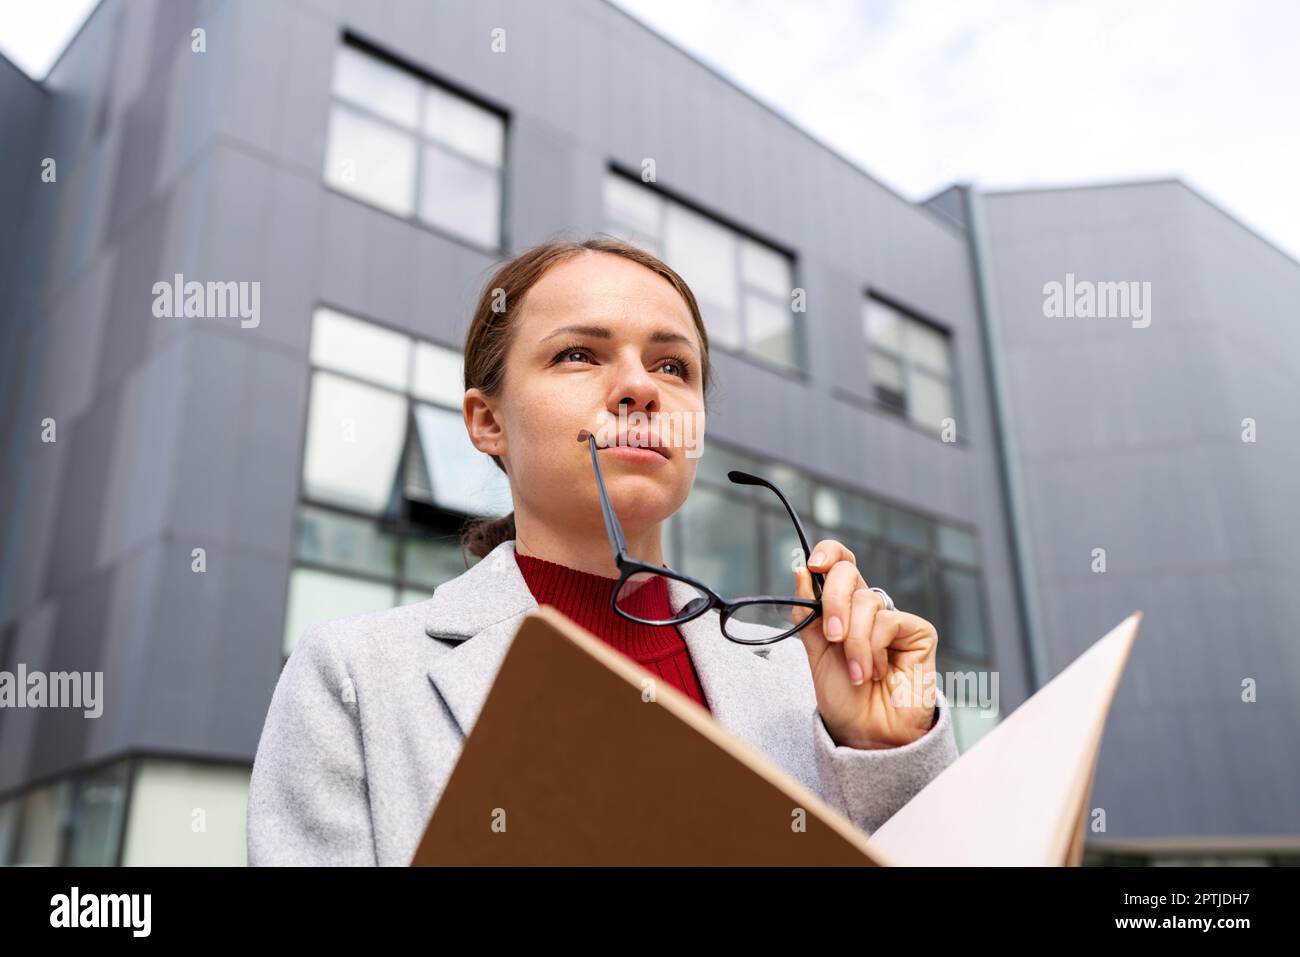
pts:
pixel 584 599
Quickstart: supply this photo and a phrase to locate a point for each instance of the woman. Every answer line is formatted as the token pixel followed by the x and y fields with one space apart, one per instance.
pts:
pixel 371 711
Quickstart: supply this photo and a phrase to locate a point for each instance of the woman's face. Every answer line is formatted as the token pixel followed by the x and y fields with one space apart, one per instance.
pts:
pixel 637 345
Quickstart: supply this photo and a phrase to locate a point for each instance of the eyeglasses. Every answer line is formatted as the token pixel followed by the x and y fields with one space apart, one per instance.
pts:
pixel 641 590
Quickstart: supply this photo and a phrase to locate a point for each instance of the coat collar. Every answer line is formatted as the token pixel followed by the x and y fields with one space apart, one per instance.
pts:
pixel 481 609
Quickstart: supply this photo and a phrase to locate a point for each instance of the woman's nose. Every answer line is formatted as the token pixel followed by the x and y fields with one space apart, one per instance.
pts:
pixel 632 386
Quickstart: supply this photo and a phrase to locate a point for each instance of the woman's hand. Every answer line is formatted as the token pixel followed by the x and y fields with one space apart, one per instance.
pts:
pixel 865 660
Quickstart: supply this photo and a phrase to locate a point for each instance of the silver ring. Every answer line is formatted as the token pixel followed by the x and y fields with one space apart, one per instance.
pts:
pixel 889 602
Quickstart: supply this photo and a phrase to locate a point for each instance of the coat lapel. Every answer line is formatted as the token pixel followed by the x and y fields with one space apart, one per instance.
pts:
pixel 481 609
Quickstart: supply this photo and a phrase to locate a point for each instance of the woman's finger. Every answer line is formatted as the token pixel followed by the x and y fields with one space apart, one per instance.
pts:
pixel 813 639
pixel 884 631
pixel 827 552
pixel 866 605
pixel 841 581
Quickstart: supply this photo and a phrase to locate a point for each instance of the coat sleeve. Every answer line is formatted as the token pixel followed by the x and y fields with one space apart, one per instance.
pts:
pixel 308 801
pixel 868 786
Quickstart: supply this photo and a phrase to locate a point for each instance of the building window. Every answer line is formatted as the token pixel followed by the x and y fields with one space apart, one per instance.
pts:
pixel 909 363
pixel 75 821
pixel 743 286
pixel 389 474
pixel 98 816
pixel 414 148
pixel 170 798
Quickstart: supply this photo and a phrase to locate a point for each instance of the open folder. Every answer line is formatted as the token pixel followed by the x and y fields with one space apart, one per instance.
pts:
pixel 568 764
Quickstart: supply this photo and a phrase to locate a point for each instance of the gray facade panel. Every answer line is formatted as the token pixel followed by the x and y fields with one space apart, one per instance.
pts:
pixel 1130 439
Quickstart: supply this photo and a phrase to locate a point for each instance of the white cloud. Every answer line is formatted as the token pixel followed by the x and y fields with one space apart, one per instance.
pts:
pixel 1012 93
pixel 34 32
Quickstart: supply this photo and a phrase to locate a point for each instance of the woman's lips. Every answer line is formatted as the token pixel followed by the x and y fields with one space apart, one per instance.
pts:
pixel 633 454
pixel 632 443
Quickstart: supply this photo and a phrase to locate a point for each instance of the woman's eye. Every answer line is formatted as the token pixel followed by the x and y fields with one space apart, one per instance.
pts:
pixel 678 367
pixel 570 353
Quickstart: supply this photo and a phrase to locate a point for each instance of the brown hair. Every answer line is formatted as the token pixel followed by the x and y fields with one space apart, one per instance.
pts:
pixel 492 330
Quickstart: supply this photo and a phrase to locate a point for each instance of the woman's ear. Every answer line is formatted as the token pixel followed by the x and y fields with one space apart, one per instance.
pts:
pixel 481 422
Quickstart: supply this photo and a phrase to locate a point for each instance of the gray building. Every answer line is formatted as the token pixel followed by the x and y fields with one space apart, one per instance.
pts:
pixel 241 245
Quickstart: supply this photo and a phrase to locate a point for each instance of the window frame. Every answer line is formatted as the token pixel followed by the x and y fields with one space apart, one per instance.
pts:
pixel 422 141
pixel 908 364
pixel 798 369
pixel 402 526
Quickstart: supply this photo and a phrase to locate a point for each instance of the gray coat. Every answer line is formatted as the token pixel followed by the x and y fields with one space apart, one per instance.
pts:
pixel 371 711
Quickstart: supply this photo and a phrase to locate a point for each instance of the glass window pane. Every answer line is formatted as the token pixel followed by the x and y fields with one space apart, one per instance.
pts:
pixel 782 548
pixel 460 197
pixel 704 254
pixel 377 86
pixel 930 399
pixel 826 507
pixel 371 161
pixel 911 584
pixel 720 542
pixel 360 348
pixel 432 562
pixel 794 485
pixel 461 478
pixel 439 374
pixel 316 596
pixel 160 831
pixel 886 372
pixel 718 460
pixel 884 325
pixel 873 560
pixel 957 544
pixel 770 329
pixel 765 268
pixel 862 513
pixel 723 322
pixel 8 829
pixel 346 542
pixel 632 235
pixel 970 724
pixel 412 596
pixel 99 817
pixel 463 126
pixel 355 434
pixel 632 205
pixel 908 529
pixel 40 842
pixel 927 346
pixel 962 619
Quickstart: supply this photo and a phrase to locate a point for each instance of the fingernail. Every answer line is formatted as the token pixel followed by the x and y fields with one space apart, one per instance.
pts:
pixel 855 672
pixel 833 627
pixel 817 558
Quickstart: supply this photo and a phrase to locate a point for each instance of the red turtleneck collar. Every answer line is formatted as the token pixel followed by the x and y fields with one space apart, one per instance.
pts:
pixel 583 598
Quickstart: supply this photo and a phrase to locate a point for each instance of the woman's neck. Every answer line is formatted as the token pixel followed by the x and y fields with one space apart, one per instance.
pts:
pixel 581 549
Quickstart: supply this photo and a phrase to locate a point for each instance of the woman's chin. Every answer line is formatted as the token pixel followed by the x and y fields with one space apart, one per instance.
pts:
pixel 645 506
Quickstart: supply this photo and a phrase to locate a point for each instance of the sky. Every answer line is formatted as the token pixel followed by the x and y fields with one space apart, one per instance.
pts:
pixel 1002 94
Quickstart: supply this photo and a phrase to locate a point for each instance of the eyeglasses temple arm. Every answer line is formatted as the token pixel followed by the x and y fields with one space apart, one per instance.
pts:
pixel 745 478
pixel 612 526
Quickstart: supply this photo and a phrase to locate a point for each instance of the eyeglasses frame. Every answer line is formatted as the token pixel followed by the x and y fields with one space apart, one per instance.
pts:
pixel 629 566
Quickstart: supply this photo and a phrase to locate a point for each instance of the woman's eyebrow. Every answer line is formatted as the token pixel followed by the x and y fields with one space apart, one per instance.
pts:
pixel 604 332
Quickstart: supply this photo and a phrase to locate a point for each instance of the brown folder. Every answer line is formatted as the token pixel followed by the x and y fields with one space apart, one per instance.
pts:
pixel 568 764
